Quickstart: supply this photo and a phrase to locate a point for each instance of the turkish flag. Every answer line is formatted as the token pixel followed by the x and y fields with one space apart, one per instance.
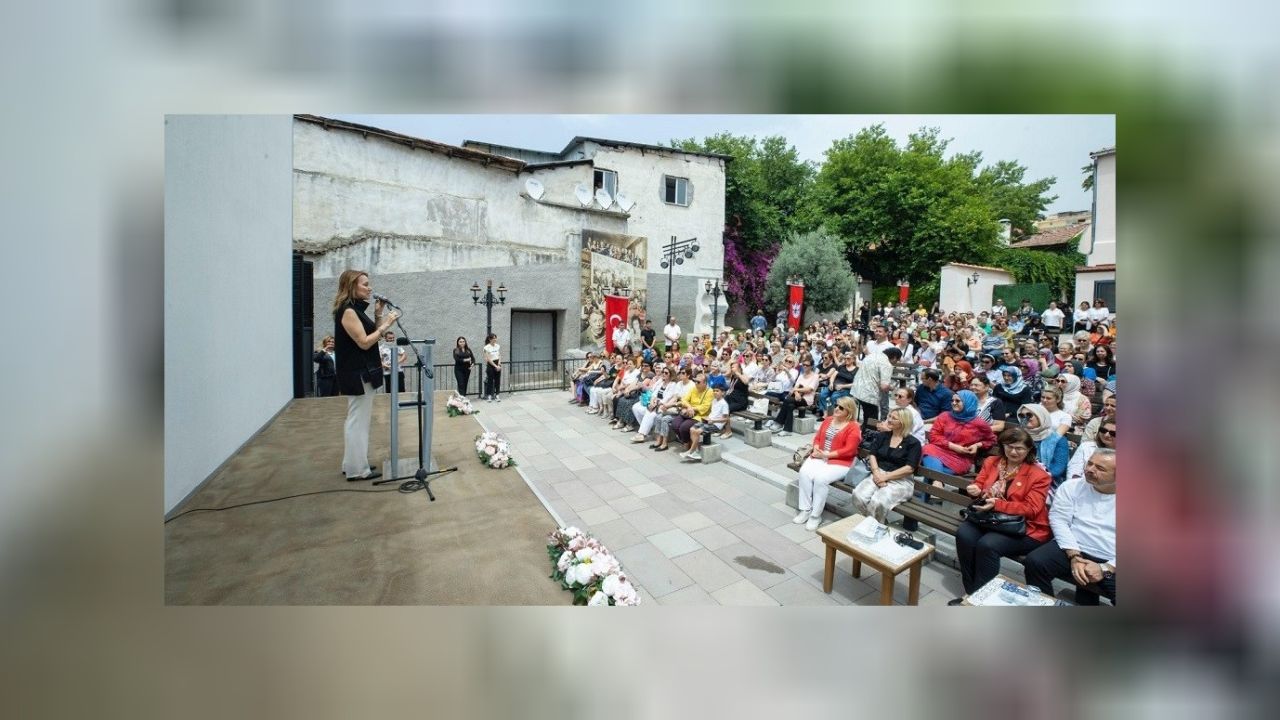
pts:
pixel 795 306
pixel 615 314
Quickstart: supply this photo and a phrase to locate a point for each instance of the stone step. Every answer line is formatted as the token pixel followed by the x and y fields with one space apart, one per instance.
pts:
pixel 759 472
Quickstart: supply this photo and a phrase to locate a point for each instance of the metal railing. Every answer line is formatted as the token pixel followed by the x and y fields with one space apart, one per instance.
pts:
pixel 516 376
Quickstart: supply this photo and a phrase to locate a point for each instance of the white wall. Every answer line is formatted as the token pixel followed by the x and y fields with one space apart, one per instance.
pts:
pixel 227 301
pixel 388 208
pixel 1103 251
pixel 640 178
pixel 955 294
pixel 1084 285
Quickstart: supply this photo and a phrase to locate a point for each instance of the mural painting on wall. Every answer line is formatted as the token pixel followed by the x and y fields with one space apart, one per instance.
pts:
pixel 611 260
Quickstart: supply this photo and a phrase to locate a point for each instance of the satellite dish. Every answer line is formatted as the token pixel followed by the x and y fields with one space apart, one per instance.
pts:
pixel 624 202
pixel 584 194
pixel 603 197
pixel 534 187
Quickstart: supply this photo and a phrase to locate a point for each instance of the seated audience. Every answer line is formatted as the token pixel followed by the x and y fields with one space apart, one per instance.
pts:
pixel 714 423
pixel 1052 449
pixel 893 458
pixel 957 436
pixel 1083 548
pixel 932 397
pixel 835 445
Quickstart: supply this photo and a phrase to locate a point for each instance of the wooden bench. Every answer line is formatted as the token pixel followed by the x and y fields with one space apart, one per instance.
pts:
pixel 931 515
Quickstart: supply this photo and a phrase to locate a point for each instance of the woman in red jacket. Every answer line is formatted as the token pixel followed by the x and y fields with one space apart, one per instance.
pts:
pixel 1010 482
pixel 834 447
pixel 956 436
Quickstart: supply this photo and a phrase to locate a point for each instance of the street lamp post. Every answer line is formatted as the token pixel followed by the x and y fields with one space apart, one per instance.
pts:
pixel 714 291
pixel 675 253
pixel 489 301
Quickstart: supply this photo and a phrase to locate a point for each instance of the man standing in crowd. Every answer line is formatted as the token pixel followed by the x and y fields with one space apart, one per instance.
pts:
pixel 622 339
pixel 1083 548
pixel 874 377
pixel 999 310
pixel 932 397
pixel 1053 320
pixel 647 348
pixel 758 322
pixel 672 334
pixel 389 344
pixel 879 343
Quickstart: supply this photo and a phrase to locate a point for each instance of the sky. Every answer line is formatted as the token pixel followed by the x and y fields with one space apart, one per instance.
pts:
pixel 1047 145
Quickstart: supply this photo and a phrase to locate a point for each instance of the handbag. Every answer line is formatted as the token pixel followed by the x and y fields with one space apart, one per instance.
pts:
pixel 798 458
pixel 760 406
pixel 858 472
pixel 1004 523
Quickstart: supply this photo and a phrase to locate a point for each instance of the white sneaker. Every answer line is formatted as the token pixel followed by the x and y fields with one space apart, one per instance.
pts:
pixel 813 524
pixel 694 455
pixel 783 433
pixel 497 398
pixel 803 516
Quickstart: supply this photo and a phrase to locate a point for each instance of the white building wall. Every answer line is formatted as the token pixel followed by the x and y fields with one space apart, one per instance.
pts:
pixel 389 209
pixel 1084 285
pixel 227 305
pixel 1103 251
pixel 956 294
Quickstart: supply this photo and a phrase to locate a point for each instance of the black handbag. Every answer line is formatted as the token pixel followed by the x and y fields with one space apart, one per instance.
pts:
pixel 1015 525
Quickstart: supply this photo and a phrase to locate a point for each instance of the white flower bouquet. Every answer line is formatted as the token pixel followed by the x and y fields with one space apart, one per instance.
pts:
pixel 586 568
pixel 459 405
pixel 494 450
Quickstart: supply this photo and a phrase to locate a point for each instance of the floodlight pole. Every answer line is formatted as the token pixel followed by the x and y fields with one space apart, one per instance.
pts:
pixel 671 256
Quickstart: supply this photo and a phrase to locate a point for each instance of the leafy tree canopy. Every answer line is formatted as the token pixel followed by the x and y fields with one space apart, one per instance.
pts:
pixel 819 259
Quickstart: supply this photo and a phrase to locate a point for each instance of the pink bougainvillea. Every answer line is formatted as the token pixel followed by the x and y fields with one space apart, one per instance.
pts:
pixel 746 270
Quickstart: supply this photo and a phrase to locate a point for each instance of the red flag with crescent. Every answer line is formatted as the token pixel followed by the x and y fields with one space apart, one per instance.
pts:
pixel 615 314
pixel 795 307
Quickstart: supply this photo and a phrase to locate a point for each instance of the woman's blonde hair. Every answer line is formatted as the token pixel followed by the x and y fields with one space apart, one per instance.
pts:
pixel 905 418
pixel 347 287
pixel 1055 392
pixel 850 407
pixel 324 340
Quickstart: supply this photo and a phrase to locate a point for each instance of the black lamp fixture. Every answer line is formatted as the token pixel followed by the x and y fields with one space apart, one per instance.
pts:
pixel 488 301
pixel 714 291
pixel 973 279
pixel 675 253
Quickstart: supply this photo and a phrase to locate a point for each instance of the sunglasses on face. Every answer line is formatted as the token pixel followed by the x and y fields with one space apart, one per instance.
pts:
pixel 1104 431
pixel 1025 416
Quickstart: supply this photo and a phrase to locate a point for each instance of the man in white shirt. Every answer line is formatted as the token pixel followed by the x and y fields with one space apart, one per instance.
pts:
pixel 999 310
pixel 875 376
pixel 878 343
pixel 621 338
pixel 1053 319
pixel 672 333
pixel 1083 548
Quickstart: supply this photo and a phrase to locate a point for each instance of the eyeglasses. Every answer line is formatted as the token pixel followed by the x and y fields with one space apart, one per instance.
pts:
pixel 1104 431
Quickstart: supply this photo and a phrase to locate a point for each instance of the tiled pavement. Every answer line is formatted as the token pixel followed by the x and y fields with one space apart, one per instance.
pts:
pixel 686 533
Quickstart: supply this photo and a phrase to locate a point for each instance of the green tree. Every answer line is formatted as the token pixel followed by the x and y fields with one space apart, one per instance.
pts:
pixel 903 212
pixel 764 185
pixel 1021 203
pixel 819 259
pixel 1087 183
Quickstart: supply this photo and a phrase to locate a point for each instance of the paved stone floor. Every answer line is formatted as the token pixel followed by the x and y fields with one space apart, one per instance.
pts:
pixel 686 533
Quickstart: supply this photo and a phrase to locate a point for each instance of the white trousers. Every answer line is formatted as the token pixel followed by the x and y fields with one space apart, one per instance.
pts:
pixel 640 411
pixel 816 477
pixel 878 501
pixel 597 395
pixel 355 455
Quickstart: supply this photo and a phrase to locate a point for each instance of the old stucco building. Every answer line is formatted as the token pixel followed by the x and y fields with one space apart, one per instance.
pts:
pixel 428 219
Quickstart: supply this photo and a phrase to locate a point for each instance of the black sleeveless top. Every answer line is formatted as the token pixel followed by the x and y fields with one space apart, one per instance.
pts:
pixel 352 362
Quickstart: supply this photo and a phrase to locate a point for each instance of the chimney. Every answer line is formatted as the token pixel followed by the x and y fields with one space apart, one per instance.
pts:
pixel 1005 228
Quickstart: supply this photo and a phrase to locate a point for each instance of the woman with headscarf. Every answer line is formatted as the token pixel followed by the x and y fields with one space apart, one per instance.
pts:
pixel 1073 401
pixel 1051 448
pixel 960 376
pixel 1012 390
pixel 956 436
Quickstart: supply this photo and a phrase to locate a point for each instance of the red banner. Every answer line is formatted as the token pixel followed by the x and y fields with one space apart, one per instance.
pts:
pixel 903 292
pixel 795 307
pixel 615 314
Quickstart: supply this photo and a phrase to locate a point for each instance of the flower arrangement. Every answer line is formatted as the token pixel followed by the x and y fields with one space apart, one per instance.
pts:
pixel 494 451
pixel 459 405
pixel 587 568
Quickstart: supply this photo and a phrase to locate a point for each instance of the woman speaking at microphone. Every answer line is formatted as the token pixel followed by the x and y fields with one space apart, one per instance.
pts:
pixel 359 366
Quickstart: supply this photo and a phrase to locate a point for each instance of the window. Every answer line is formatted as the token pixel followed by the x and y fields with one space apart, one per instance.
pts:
pixel 1106 289
pixel 675 190
pixel 608 180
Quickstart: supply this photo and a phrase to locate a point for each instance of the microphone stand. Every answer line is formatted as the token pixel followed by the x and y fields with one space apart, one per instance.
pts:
pixel 424 408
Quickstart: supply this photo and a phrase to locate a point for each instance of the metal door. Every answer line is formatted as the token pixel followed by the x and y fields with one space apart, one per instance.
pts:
pixel 532 336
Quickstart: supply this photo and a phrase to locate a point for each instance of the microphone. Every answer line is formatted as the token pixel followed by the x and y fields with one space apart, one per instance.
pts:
pixel 385 301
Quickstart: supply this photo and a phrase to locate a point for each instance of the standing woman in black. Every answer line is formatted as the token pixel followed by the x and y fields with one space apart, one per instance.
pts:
pixel 463 359
pixel 359 366
pixel 326 384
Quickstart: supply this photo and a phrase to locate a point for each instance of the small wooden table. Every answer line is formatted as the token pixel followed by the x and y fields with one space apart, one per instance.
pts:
pixel 834 537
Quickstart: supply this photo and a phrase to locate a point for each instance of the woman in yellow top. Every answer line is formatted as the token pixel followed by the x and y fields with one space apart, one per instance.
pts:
pixel 694 408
